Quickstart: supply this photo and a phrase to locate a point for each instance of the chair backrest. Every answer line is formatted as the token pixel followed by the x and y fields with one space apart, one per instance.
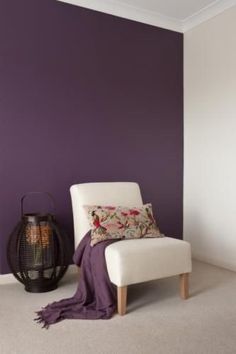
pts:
pixel 101 193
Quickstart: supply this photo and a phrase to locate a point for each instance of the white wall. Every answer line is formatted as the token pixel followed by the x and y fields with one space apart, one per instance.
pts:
pixel 210 140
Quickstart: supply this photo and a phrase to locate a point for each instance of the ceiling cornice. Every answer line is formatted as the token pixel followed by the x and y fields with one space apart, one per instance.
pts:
pixel 121 9
pixel 206 13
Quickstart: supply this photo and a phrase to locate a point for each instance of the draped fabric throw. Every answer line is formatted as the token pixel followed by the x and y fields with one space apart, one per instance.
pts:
pixel 95 297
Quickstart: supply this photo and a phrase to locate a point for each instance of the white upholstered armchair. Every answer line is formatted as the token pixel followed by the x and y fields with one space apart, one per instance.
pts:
pixel 131 261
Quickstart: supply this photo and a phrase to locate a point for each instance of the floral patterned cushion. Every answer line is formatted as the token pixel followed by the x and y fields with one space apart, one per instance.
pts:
pixel 109 222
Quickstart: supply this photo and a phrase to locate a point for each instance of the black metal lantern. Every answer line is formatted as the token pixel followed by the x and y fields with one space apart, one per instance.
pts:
pixel 37 250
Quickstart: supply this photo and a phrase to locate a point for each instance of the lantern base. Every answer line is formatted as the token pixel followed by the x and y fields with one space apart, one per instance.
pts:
pixel 36 287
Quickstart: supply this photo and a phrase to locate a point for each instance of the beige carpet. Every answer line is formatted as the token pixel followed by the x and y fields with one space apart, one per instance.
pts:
pixel 158 321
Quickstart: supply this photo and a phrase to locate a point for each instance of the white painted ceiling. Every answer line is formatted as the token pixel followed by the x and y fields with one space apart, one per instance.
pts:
pixel 177 15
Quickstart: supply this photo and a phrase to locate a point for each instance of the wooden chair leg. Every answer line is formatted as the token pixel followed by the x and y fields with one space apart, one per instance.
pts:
pixel 121 299
pixel 184 286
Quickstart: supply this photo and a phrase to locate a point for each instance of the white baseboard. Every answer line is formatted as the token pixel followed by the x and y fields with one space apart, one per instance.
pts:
pixel 216 262
pixel 10 279
pixel 7 279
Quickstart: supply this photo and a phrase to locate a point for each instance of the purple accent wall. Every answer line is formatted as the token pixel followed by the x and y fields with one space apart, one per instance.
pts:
pixel 86 96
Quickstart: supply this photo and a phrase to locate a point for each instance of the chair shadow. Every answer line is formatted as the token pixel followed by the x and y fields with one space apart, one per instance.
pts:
pixel 149 293
pixel 204 279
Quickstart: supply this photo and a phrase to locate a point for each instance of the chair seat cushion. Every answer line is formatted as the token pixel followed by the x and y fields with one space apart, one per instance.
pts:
pixel 140 260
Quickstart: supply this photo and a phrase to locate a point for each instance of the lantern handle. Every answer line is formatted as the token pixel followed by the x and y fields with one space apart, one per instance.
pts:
pixel 30 193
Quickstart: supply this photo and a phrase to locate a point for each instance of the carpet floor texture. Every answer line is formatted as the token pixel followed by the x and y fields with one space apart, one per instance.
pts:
pixel 157 320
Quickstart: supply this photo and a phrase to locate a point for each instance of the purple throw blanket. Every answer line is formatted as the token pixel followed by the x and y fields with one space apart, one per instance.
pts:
pixel 95 297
